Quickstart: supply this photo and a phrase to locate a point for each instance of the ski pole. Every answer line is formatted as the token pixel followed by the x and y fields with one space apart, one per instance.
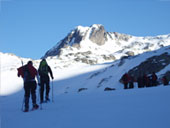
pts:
pixel 39 95
pixel 22 62
pixel 52 92
pixel 40 98
pixel 22 106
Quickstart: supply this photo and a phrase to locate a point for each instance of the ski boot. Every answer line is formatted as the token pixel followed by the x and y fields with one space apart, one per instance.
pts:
pixel 26 110
pixel 35 106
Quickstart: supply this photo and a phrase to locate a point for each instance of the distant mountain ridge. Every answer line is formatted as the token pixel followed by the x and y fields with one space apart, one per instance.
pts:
pixel 94 45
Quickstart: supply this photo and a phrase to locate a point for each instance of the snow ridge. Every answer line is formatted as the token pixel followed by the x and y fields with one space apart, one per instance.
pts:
pixel 105 46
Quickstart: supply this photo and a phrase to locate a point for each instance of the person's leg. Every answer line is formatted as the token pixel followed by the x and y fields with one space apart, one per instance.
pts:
pixel 47 89
pixel 27 95
pixel 42 91
pixel 33 94
pixel 125 85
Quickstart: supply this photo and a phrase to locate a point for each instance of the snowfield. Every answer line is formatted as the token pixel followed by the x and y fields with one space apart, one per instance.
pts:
pixel 136 108
pixel 92 107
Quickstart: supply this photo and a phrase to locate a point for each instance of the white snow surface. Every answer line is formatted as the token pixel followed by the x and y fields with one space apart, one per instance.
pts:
pixel 137 108
pixel 91 108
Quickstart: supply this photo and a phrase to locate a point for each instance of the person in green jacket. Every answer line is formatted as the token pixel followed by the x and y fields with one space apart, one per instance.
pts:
pixel 43 70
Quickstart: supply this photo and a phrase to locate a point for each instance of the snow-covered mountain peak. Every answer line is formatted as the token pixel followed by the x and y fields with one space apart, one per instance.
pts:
pixel 81 29
pixel 94 45
pixel 85 29
pixel 80 38
pixel 96 26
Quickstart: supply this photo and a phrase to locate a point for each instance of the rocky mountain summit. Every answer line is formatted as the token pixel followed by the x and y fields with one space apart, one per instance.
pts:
pixel 93 45
pixel 97 35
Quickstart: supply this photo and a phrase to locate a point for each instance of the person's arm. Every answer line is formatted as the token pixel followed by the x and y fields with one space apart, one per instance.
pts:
pixel 20 72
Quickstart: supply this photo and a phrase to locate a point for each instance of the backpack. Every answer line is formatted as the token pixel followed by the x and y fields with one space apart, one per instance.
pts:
pixel 44 70
pixel 27 74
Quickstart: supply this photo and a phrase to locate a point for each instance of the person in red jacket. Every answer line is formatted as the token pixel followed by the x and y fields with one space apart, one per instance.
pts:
pixel 154 79
pixel 145 80
pixel 131 81
pixel 165 80
pixel 28 73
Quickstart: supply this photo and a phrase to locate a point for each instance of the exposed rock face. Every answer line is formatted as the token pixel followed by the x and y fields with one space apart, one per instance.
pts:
pixel 82 89
pixel 98 35
pixel 130 53
pixel 122 36
pixel 72 39
pixel 152 64
pixel 109 89
pixel 86 60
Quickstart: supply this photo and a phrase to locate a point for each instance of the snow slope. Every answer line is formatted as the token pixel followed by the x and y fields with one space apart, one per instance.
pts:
pixel 93 77
pixel 9 81
pixel 136 108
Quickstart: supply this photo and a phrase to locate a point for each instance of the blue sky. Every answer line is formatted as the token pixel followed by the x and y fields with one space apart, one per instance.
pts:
pixel 29 28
